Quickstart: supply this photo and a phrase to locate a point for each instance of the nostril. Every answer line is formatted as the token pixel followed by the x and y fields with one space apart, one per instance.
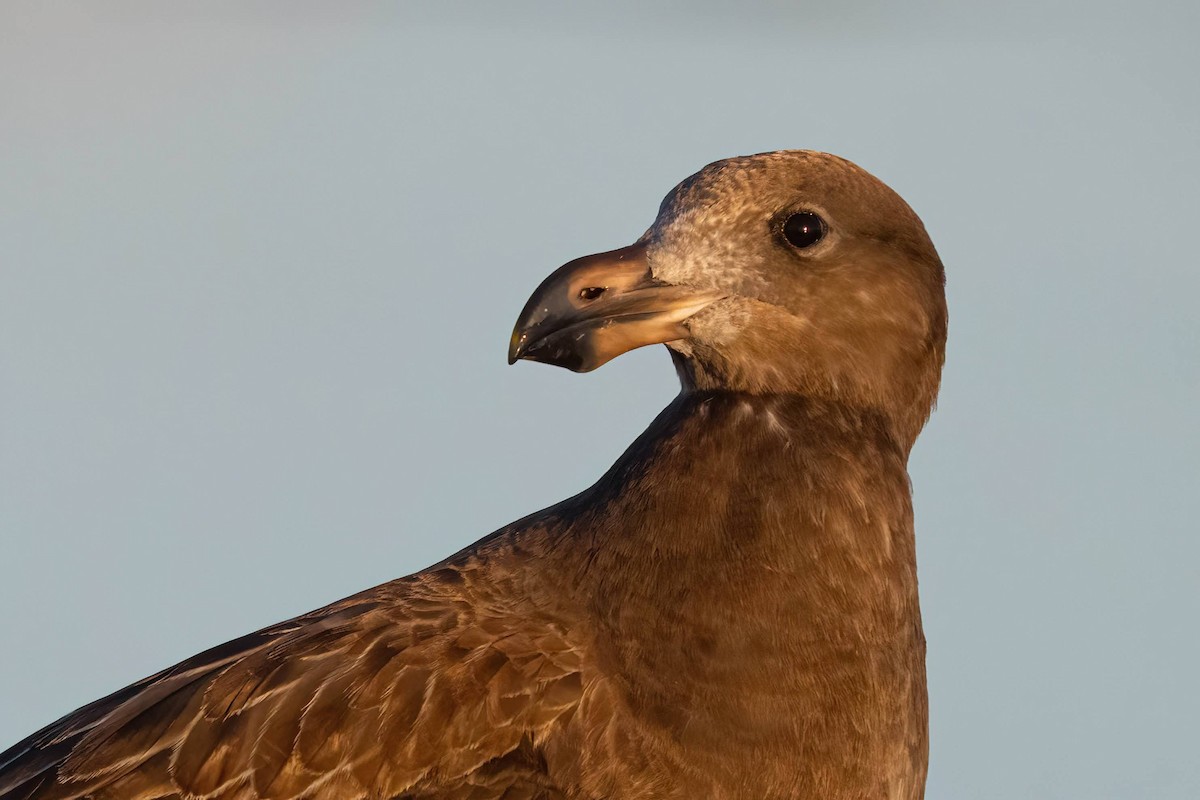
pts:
pixel 591 292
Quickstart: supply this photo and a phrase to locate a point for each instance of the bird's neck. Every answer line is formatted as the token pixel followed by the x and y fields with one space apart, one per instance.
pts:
pixel 898 392
pixel 729 495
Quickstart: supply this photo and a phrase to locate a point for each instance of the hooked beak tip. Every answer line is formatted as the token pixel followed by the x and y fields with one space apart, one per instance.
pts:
pixel 515 346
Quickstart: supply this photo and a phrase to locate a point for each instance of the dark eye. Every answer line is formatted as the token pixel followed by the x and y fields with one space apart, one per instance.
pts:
pixel 803 229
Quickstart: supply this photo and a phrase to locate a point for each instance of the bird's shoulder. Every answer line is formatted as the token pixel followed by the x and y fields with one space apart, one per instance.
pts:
pixel 445 677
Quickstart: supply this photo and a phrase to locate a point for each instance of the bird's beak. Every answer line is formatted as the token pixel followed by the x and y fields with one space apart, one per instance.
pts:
pixel 595 308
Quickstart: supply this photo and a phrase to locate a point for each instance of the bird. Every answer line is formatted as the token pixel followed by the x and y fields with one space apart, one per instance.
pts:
pixel 730 611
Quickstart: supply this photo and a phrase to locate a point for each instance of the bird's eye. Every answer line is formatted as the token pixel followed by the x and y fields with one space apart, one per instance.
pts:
pixel 803 229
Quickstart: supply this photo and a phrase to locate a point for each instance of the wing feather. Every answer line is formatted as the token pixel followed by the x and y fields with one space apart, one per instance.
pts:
pixel 417 684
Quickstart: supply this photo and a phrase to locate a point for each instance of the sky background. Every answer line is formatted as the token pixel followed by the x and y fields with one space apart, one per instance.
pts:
pixel 259 263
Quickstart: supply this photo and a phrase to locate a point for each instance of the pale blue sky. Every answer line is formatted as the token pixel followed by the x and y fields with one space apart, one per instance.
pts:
pixel 259 263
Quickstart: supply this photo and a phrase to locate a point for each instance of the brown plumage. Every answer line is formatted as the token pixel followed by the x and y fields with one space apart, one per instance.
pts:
pixel 731 611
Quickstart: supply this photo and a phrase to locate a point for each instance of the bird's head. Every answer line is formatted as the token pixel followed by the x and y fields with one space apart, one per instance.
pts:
pixel 792 272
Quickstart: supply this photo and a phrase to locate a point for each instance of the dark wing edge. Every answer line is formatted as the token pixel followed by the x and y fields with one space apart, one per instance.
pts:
pixel 405 687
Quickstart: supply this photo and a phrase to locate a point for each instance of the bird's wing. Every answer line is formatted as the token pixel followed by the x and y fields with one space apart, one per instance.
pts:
pixel 434 680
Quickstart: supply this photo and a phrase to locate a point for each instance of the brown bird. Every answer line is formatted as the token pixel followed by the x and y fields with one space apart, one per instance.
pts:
pixel 729 612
